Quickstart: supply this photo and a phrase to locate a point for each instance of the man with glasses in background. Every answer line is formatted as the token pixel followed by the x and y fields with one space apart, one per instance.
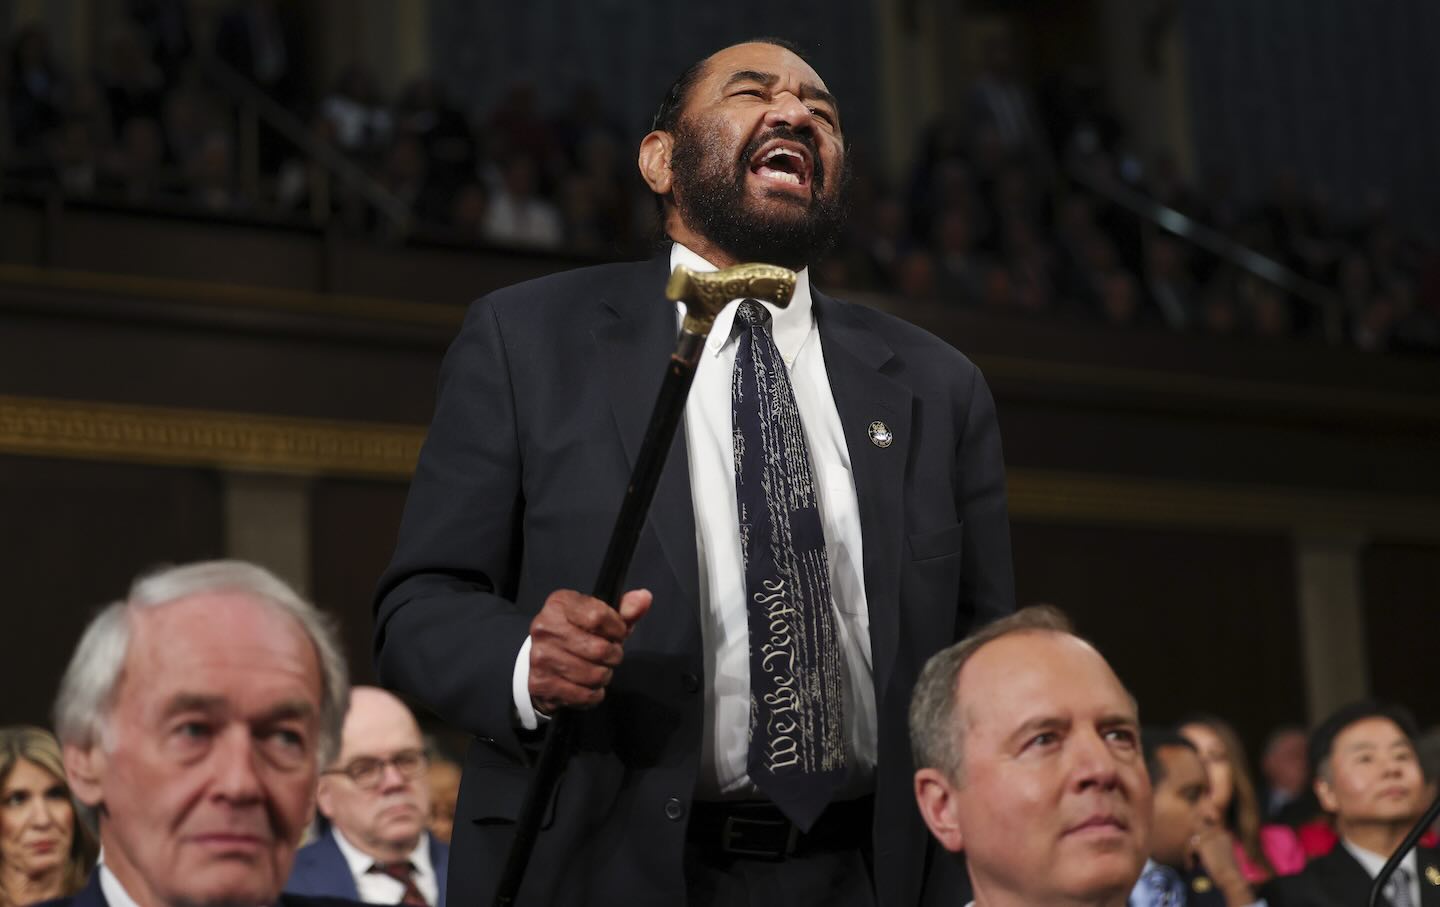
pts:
pixel 376 802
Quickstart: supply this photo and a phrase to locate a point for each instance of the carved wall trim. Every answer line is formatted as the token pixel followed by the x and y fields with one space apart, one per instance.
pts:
pixel 184 437
pixel 261 443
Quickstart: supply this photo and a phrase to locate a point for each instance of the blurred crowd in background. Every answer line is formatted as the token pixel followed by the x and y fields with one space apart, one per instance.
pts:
pixel 1010 204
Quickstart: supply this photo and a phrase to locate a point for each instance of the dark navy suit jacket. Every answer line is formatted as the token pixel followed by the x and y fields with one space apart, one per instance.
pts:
pixel 320 869
pixel 544 399
pixel 92 896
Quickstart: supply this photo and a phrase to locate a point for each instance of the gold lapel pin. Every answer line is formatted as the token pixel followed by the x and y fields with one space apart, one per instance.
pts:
pixel 1202 884
pixel 880 434
pixel 1432 875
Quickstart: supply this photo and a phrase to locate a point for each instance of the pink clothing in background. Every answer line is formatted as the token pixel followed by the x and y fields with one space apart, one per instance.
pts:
pixel 1281 847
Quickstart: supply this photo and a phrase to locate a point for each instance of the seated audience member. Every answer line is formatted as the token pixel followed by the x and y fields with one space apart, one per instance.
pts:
pixel 194 718
pixel 1283 764
pixel 1263 851
pixel 1192 861
pixel 1029 761
pixel 444 781
pixel 44 852
pixel 1366 775
pixel 377 802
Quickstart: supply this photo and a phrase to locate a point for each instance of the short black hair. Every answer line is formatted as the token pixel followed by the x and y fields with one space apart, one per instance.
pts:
pixel 1322 739
pixel 667 115
pixel 1155 739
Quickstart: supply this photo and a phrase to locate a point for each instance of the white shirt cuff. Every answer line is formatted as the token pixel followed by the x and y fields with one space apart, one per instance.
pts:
pixel 520 691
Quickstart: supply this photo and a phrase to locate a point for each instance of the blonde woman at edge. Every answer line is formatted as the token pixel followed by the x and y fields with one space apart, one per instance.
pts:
pixel 44 851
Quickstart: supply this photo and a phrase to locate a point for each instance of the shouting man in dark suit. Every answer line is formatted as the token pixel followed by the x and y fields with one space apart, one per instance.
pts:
pixel 855 521
pixel 194 717
pixel 1368 777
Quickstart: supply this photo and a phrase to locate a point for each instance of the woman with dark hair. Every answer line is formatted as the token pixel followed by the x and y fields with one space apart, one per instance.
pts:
pixel 1263 851
pixel 44 852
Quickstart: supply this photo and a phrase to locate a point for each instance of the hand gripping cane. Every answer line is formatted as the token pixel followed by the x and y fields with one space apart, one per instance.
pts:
pixel 704 295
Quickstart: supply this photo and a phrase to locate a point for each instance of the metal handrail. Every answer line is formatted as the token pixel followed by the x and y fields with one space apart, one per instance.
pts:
pixel 1218 244
pixel 245 93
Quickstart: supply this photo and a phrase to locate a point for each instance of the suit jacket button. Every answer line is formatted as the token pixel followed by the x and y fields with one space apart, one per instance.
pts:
pixel 689 682
pixel 674 810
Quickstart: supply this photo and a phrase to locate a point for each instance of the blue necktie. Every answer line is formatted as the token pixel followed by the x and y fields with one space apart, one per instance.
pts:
pixel 1159 886
pixel 797 727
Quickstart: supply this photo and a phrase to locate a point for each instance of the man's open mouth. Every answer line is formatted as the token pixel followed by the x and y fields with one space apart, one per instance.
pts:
pixel 782 162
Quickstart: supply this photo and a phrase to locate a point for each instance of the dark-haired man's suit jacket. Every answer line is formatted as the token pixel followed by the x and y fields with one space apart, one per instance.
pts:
pixel 320 869
pixel 544 398
pixel 1338 880
pixel 93 896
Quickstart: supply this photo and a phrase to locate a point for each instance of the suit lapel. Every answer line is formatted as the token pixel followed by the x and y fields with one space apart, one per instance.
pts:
pixel 1343 877
pixel 92 895
pixel 332 866
pixel 854 358
pixel 440 861
pixel 635 336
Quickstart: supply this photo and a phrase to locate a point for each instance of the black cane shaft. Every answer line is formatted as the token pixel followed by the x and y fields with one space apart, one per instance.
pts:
pixel 1377 889
pixel 664 419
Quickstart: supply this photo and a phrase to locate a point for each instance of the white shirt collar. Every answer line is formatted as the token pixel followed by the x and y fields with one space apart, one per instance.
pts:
pixel 115 893
pixel 1374 862
pixel 789 326
pixel 360 862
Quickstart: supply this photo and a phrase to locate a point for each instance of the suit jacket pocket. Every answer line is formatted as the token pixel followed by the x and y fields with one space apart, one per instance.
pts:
pixel 492 787
pixel 925 546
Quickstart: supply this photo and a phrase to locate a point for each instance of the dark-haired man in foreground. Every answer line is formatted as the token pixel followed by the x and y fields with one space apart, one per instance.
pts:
pixel 833 513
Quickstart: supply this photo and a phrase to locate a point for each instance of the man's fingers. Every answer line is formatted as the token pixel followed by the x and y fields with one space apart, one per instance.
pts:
pixel 633 605
pixel 594 616
pixel 549 661
pixel 563 694
pixel 575 646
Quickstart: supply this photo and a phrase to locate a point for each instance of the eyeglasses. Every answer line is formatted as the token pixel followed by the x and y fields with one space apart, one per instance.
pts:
pixel 367 772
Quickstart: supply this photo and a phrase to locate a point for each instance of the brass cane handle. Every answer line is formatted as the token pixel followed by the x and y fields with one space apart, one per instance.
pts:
pixel 705 293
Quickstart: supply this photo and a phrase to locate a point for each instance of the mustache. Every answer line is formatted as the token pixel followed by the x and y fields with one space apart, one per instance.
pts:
pixel 786 133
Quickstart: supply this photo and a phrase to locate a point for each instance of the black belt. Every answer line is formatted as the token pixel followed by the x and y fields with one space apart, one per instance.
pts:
pixel 758 830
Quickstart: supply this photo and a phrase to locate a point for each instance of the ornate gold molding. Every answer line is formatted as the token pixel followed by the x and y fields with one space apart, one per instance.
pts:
pixel 259 443
pixel 206 438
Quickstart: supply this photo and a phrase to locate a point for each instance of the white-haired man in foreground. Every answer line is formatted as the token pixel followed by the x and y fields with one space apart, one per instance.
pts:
pixel 194 717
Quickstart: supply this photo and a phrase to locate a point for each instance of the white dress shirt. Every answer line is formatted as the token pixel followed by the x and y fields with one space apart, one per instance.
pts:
pixel 115 893
pixel 1374 862
pixel 379 888
pixel 724 626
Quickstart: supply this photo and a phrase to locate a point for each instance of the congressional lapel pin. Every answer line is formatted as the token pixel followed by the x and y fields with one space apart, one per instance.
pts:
pixel 1202 884
pixel 880 434
pixel 1432 875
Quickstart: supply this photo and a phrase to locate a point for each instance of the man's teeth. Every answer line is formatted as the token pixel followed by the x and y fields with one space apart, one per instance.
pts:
pixel 775 152
pixel 781 175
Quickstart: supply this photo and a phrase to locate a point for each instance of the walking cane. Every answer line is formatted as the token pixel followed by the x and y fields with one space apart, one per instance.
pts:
pixel 704 295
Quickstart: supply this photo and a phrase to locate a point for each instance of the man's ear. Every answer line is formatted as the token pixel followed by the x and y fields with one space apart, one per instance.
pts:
pixel 324 797
pixel 1326 795
pixel 85 772
pixel 654 161
pixel 939 807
